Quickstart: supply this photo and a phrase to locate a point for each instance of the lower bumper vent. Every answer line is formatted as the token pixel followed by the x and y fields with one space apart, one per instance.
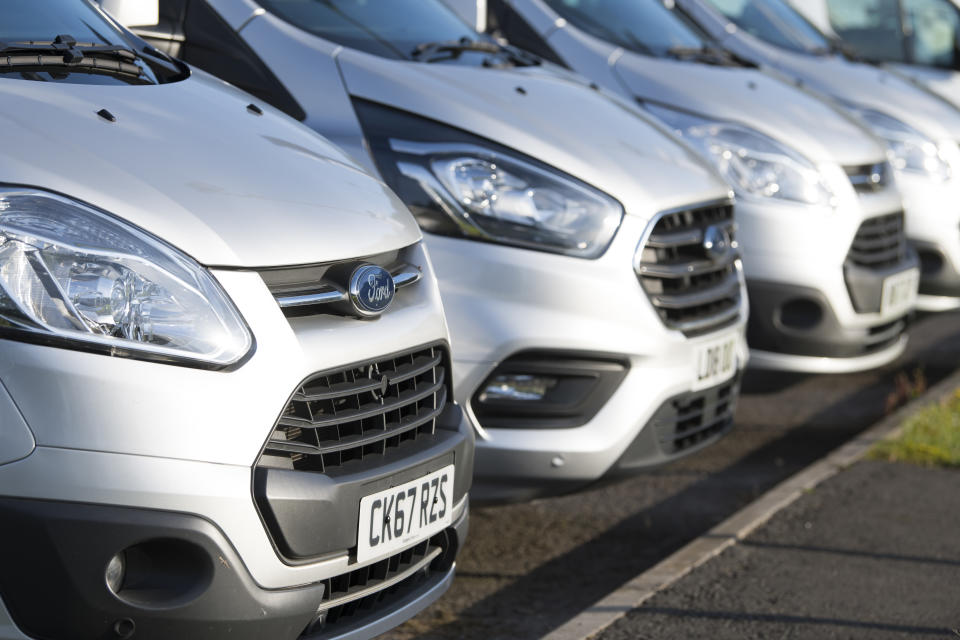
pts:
pixel 360 596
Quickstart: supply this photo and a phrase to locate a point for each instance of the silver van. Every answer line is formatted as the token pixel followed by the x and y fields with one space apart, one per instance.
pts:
pixel 225 395
pixel 587 262
pixel 920 130
pixel 831 278
pixel 916 38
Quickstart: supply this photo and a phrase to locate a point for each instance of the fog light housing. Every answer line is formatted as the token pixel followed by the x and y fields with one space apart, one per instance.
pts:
pixel 517 388
pixel 547 390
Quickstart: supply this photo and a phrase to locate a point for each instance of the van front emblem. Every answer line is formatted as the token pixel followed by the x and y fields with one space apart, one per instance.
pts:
pixel 716 242
pixel 371 290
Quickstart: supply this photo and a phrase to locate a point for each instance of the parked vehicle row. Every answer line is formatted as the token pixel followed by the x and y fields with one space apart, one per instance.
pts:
pixel 233 402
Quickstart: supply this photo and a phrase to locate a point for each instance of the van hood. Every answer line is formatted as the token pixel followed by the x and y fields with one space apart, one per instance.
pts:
pixel 550 115
pixel 874 88
pixel 189 163
pixel 753 99
pixel 943 82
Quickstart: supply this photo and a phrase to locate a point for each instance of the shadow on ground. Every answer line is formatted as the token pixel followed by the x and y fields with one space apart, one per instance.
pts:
pixel 531 605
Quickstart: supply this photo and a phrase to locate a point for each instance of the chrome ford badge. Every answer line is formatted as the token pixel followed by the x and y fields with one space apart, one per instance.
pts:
pixel 716 242
pixel 371 290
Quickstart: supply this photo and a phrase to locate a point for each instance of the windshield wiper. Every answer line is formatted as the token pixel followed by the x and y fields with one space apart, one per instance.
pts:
pixel 65 52
pixel 453 49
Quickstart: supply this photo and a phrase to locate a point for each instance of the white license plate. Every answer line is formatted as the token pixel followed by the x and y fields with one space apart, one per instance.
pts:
pixel 716 362
pixel 900 292
pixel 396 518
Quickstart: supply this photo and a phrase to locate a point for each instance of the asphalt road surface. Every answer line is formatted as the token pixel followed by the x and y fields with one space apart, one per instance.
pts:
pixel 871 553
pixel 528 568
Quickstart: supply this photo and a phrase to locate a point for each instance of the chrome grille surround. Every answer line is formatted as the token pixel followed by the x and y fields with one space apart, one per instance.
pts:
pixel 363 410
pixel 320 288
pixel 690 289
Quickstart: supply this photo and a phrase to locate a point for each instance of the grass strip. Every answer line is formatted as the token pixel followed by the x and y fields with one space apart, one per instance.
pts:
pixel 930 438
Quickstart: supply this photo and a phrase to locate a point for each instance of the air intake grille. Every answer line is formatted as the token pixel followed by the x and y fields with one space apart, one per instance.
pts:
pixel 364 410
pixel 696 417
pixel 869 178
pixel 880 242
pixel 694 288
pixel 373 590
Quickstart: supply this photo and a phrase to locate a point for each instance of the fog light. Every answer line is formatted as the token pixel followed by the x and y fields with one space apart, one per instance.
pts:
pixel 116 569
pixel 520 388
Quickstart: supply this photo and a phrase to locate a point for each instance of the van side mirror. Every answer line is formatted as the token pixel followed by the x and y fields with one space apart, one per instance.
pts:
pixel 474 12
pixel 133 13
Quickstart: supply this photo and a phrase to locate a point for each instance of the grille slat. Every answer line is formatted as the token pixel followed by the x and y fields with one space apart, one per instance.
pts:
pixel 685 269
pixel 364 411
pixel 730 288
pixel 693 289
pixel 367 409
pixel 404 426
pixel 880 242
pixel 353 598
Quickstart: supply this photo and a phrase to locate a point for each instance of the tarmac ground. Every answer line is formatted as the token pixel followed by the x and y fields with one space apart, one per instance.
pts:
pixel 874 552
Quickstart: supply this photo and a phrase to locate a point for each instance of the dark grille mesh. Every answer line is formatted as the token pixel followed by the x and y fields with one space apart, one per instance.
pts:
pixel 691 291
pixel 351 414
pixel 696 417
pixel 370 591
pixel 880 242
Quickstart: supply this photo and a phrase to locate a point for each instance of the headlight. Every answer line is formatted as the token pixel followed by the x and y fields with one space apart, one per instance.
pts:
pixel 73 276
pixel 751 162
pixel 458 184
pixel 907 148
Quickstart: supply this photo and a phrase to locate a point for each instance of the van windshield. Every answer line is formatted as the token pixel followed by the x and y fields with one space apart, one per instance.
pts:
pixel 644 26
pixel 25 20
pixel 775 22
pixel 72 41
pixel 389 28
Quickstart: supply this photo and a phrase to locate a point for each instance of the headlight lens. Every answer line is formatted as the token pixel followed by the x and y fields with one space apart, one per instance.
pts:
pixel 752 163
pixel 907 148
pixel 72 274
pixel 455 183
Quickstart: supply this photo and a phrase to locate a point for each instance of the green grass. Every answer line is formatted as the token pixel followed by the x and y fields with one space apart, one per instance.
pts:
pixel 930 437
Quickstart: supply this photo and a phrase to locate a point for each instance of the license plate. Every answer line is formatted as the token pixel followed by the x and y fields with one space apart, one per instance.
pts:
pixel 393 519
pixel 900 292
pixel 716 362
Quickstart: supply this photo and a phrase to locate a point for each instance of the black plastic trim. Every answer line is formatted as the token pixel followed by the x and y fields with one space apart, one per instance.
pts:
pixel 826 338
pixel 54 555
pixel 587 381
pixel 943 281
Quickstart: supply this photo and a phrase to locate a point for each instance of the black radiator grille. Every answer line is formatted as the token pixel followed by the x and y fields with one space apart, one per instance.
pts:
pixel 693 289
pixel 364 410
pixel 370 592
pixel 880 242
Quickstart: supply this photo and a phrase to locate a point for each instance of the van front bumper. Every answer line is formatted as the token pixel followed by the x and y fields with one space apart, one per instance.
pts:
pixel 183 579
